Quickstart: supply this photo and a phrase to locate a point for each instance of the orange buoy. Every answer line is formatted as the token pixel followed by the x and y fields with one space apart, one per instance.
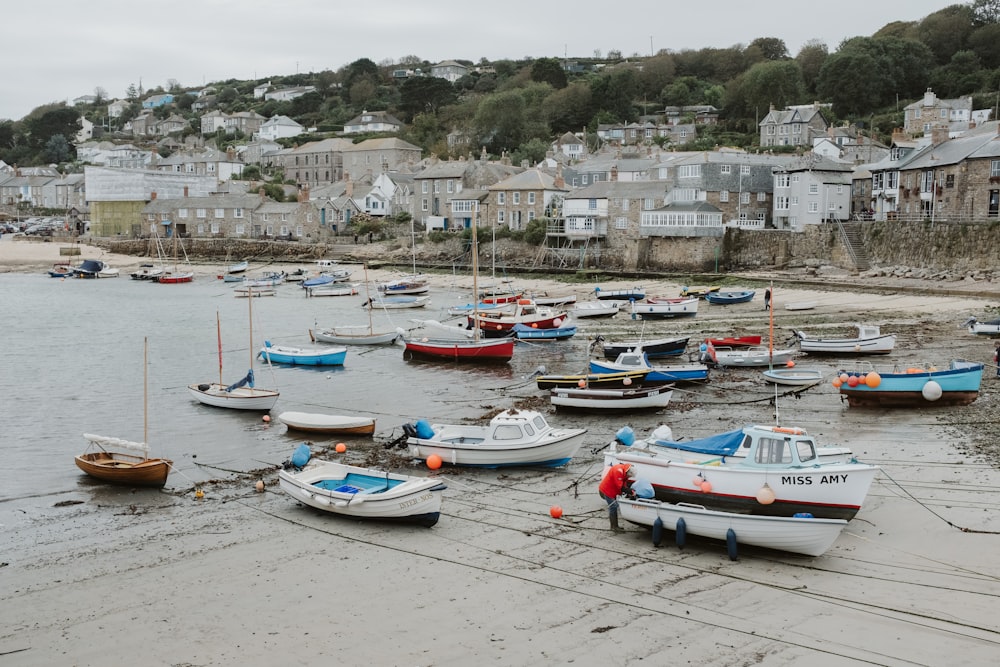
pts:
pixel 556 512
pixel 433 461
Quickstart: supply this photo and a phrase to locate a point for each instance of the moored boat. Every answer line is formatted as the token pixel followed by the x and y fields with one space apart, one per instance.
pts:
pixel 726 298
pixel 612 380
pixel 489 350
pixel 794 376
pixel 869 340
pixel 653 348
pixel 626 399
pixel 595 309
pixel 314 422
pixel 913 387
pixel 664 373
pixel 665 308
pixel 988 328
pixel 332 355
pixel 629 294
pixel 525 332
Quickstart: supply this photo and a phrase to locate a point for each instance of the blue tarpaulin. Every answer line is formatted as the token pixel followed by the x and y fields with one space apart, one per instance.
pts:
pixel 720 444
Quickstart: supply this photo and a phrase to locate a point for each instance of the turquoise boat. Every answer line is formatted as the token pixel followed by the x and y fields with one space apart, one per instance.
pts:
pixel 912 387
pixel 303 356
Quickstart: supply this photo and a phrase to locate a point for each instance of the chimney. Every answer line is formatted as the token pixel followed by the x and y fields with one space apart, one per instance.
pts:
pixel 185 191
pixel 614 173
pixel 263 197
pixel 939 135
pixel 152 195
pixel 349 192
pixel 559 182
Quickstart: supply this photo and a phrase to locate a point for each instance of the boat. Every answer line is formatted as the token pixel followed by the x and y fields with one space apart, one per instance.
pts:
pixel 794 376
pixel 612 380
pixel 266 279
pixel 720 298
pixel 800 533
pixel 465 309
pixel 238 267
pixel 317 281
pixel 512 438
pixel 296 276
pixel 406 285
pixel 94 268
pixel 245 291
pixel 332 289
pixel 61 270
pixel 653 348
pixel 313 422
pixel 913 387
pixel 800 305
pixel 397 302
pixel 637 360
pixel 489 350
pixel 745 357
pixel 755 469
pixel 525 332
pixel 333 355
pixel 988 328
pixel 596 309
pixel 633 294
pixel 494 323
pixel 664 308
pixel 362 493
pixel 122 461
pixel 590 398
pixel 546 299
pixel 176 276
pixel 356 335
pixel 242 394
pixel 734 341
pixel 145 272
pixel 698 292
pixel 869 340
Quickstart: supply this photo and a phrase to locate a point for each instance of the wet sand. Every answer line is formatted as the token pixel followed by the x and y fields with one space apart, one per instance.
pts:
pixel 241 577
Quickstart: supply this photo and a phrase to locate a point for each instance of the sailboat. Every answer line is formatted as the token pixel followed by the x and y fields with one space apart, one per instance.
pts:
pixel 476 349
pixel 242 394
pixel 356 335
pixel 176 276
pixel 105 461
pixel 753 356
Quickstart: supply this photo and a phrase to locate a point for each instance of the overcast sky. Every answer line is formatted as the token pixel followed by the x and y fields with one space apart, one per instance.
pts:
pixel 62 49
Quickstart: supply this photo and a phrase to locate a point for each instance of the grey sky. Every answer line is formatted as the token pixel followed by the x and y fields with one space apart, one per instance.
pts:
pixel 62 49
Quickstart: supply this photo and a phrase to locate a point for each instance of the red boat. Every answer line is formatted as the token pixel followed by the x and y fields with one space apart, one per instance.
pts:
pixel 169 278
pixel 496 323
pixel 499 350
pixel 734 341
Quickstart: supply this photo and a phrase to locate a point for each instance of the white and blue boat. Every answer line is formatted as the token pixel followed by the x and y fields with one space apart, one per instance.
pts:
pixel 728 298
pixel 303 356
pixel 316 281
pixel 637 360
pixel 525 332
pixel 913 387
pixel 632 294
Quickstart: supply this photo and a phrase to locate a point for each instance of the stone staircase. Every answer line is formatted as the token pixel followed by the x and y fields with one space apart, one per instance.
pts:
pixel 850 234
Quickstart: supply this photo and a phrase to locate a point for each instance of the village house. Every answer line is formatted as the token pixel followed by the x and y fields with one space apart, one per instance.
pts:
pixel 439 182
pixel 531 194
pixel 793 126
pixel 372 121
pixel 810 191
pixel 449 70
pixel 931 112
pixel 279 127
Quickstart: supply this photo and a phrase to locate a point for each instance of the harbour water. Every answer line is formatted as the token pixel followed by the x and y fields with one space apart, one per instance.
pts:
pixel 74 366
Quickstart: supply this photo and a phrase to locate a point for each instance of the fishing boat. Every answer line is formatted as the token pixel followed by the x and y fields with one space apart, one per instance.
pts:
pixel 653 348
pixel 317 281
pixel 698 292
pixel 652 397
pixel 665 308
pixel 313 422
pixel 397 302
pixel 755 469
pixel 595 309
pixel 495 323
pixel 546 299
pixel 735 341
pixel 238 267
pixel 612 380
pixel 333 355
pixel 512 438
pixel 414 284
pixel 794 376
pixel 266 279
pixel 61 270
pixel 721 298
pixel 145 272
pixel 664 373
pixel 297 276
pixel 94 268
pixel 122 461
pixel 746 357
pixel 242 394
pixel 361 493
pixel 632 294
pixel 525 332
pixel 332 289
pixel 869 340
pixel 800 533
pixel 913 387
pixel 989 328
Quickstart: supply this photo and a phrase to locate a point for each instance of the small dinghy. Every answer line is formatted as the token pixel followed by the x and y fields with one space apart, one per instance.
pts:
pixel 313 422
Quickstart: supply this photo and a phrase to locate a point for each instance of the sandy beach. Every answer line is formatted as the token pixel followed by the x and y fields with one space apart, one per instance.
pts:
pixel 248 578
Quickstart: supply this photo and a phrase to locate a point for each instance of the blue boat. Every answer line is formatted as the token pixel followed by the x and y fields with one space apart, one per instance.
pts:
pixel 633 294
pixel 303 356
pixel 727 298
pixel 322 279
pixel 912 387
pixel 525 332
pixel 636 361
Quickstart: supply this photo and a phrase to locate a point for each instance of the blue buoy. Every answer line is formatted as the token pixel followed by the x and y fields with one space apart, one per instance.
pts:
pixel 680 536
pixel 657 532
pixel 731 546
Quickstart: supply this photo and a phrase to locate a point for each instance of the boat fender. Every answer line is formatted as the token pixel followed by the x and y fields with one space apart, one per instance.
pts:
pixel 680 533
pixel 731 545
pixel 625 435
pixel 657 532
pixel 301 456
pixel 803 515
pixel 424 430
pixel 204 387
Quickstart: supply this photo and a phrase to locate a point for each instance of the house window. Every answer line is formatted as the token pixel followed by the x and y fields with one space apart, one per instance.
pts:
pixel 624 205
pixel 744 197
pixel 648 204
pixel 216 228
pixel 621 223
pixel 263 217
pixel 182 213
pixel 152 216
pixel 284 217
pixel 813 188
pixel 201 213
pixel 781 203
pixel 949 181
pixel 201 228
pixel 501 198
pixel 517 198
pixel 531 198
pixel 531 215
pixel 761 196
pixel 298 231
pixel 724 196
pixel 727 169
pixel 423 204
pixel 451 186
pixel 437 187
pixel 592 204
pixel 689 171
pixel 585 179
pixel 284 230
pixel 813 207
pixel 220 213
pixel 424 188
pixel 994 168
pixel 237 213
pixel 269 230
pixel 745 169
pixel 500 217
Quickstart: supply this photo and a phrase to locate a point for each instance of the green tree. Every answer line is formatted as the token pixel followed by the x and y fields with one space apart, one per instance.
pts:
pixel 426 131
pixel 777 82
pixel 985 43
pixel 534 232
pixel 550 71
pixel 767 48
pixel 851 81
pixel 424 94
pixel 963 74
pixel 569 109
pixel 945 32
pixel 42 124
pixel 533 151
pixel 362 91
pixel 500 121
pixel 57 149
pixel 657 73
pixel 360 69
pixel 616 92
pixel 810 58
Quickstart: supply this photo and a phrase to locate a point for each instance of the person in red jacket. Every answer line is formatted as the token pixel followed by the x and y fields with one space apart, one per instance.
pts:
pixel 617 482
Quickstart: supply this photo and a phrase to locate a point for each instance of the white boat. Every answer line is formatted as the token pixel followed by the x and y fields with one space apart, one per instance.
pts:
pixel 870 340
pixel 586 398
pixel 147 272
pixel 95 268
pixel 665 308
pixel 800 305
pixel 772 470
pixel 512 438
pixel 314 422
pixel 637 360
pixel 354 335
pixel 396 302
pixel 545 299
pixel 990 328
pixel 755 356
pixel 238 267
pixel 414 284
pixel 595 309
pixel 795 534
pixel 794 376
pixel 363 493
pixel 332 289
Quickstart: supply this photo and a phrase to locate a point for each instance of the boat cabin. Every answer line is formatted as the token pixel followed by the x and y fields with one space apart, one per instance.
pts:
pixel 756 445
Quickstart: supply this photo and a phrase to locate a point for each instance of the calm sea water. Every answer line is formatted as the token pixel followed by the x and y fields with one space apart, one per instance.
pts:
pixel 74 365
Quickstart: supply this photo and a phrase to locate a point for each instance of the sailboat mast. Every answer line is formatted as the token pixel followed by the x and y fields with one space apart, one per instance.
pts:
pixel 368 300
pixel 770 336
pixel 218 335
pixel 145 390
pixel 250 311
pixel 475 284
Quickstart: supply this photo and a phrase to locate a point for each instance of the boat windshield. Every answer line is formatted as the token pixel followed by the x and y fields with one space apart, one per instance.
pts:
pixel 507 432
pixel 806 450
pixel 773 450
pixel 539 422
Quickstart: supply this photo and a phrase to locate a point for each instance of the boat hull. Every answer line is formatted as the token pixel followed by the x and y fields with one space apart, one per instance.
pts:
pixel 346 338
pixel 729 298
pixel 958 385
pixel 660 347
pixel 241 398
pixel 310 422
pixel 297 356
pixel 597 380
pixel 363 493
pixel 125 469
pixel 642 398
pixel 483 351
pixel 657 374
pixel 802 535
pixel 794 377
pixel 652 311
pixel 880 345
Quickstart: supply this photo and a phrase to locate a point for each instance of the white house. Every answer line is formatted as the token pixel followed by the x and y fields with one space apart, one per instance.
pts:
pixel 279 127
